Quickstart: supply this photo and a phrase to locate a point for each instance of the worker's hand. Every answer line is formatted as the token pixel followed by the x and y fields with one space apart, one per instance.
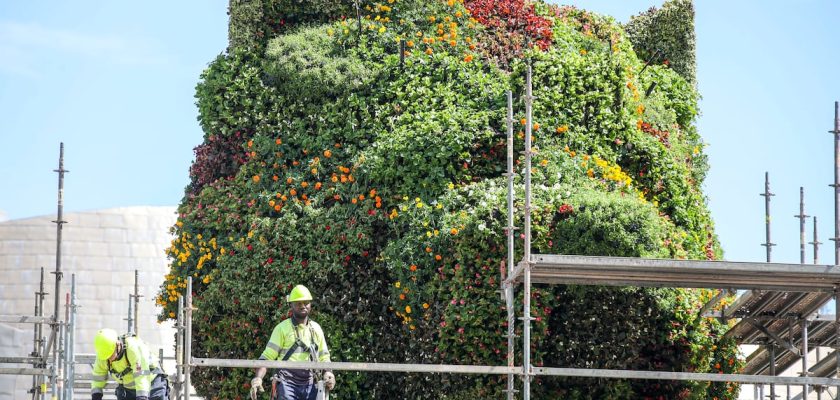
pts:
pixel 329 380
pixel 256 384
pixel 96 396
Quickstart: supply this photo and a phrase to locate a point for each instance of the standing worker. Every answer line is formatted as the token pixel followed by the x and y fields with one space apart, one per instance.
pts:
pixel 135 369
pixel 296 339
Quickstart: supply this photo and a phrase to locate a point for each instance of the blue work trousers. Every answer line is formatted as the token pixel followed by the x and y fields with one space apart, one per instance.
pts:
pixel 159 390
pixel 291 391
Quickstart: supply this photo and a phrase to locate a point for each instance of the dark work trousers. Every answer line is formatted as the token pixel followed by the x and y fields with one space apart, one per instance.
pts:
pixel 290 391
pixel 159 390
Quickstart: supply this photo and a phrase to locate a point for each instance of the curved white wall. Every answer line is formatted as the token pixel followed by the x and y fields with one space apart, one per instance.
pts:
pixel 103 248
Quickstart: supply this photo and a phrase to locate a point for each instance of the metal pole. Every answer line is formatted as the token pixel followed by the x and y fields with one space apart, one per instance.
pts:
pixel 768 244
pixel 72 337
pixel 772 349
pixel 188 339
pixel 836 184
pixel 129 319
pixel 64 354
pixel 59 225
pixel 511 247
pixel 805 357
pixel 837 337
pixel 816 243
pixel 179 347
pixel 136 302
pixel 38 341
pixel 526 313
pixel 802 218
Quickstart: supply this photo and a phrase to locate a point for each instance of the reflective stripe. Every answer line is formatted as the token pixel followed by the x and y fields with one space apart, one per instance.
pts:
pixel 143 373
pixel 323 353
pixel 273 346
pixel 129 385
pixel 141 393
pixel 100 378
pixel 96 390
pixel 262 358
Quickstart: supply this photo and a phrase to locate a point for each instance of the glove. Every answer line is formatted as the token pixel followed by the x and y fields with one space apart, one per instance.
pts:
pixel 256 384
pixel 329 381
pixel 96 396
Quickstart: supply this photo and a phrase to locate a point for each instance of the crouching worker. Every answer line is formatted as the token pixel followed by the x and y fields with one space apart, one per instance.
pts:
pixel 128 360
pixel 296 339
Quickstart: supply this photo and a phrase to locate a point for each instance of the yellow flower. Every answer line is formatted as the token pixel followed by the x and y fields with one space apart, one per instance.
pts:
pixel 425 305
pixel 397 285
pixel 408 309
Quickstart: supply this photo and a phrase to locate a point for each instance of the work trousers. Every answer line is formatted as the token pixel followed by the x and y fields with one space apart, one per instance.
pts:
pixel 159 390
pixel 290 391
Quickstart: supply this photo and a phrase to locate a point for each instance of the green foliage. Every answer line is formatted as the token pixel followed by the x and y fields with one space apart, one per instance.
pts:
pixel 328 162
pixel 666 35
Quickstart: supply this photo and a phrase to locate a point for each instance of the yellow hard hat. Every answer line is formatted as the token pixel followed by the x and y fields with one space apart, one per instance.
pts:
pixel 105 343
pixel 299 293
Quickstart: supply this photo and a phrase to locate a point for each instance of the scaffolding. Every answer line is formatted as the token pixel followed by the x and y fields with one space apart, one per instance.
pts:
pixel 816 282
pixel 54 359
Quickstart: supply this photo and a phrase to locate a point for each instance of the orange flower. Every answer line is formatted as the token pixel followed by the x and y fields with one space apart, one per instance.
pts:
pixel 522 121
pixel 563 128
pixel 428 249
pixel 425 305
pixel 438 257
pixel 402 296
pixel 327 153
pixel 413 268
pixel 278 141
pixel 452 43
pixel 304 184
pixel 250 143
pixel 429 50
pixel 353 200
pixel 275 178
pixel 409 43
pixel 318 185
pixel 256 178
pixel 277 207
pixel 289 180
pixel 453 231
pixel 408 309
pixel 293 192
pixel 536 126
pixel 468 58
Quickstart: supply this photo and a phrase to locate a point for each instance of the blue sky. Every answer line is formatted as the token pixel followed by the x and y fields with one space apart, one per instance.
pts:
pixel 115 82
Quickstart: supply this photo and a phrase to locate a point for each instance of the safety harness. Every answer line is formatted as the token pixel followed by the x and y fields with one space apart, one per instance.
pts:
pixel 313 355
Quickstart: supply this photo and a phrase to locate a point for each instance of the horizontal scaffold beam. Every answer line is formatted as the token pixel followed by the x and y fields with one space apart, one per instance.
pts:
pixel 358 366
pixel 626 271
pixel 501 370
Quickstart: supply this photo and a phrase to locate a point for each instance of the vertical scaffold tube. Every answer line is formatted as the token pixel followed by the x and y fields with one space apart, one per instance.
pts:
pixel 508 289
pixel 526 259
pixel 188 339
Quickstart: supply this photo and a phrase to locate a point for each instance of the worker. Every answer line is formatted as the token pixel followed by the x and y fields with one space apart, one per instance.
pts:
pixel 296 339
pixel 128 360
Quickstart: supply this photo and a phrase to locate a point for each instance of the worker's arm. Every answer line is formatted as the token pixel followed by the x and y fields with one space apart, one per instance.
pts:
pixel 100 378
pixel 271 352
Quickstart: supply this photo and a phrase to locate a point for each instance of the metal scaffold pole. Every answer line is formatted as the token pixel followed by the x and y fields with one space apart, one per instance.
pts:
pixel 802 217
pixel 526 258
pixel 836 184
pixel 179 348
pixel 507 286
pixel 56 323
pixel 188 339
pixel 137 297
pixel 71 340
pixel 38 341
pixel 816 243
pixel 768 244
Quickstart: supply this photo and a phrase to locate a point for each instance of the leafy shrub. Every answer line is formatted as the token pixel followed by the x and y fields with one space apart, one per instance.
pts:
pixel 374 178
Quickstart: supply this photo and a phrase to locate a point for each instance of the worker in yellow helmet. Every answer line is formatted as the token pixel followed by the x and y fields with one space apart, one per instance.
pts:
pixel 296 339
pixel 128 360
